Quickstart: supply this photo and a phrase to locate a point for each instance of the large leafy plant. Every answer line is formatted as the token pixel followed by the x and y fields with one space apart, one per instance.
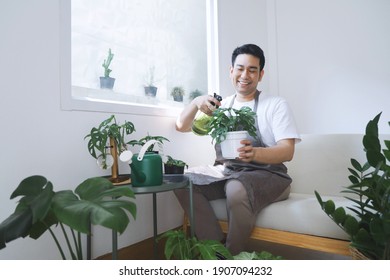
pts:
pixel 225 120
pixel 369 227
pixel 99 138
pixel 95 201
pixel 182 247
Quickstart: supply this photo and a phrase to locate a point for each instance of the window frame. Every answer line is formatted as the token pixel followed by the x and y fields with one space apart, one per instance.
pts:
pixel 69 103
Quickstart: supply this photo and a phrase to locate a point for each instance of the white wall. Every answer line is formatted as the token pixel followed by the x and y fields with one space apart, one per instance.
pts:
pixel 37 137
pixel 334 63
pixel 347 60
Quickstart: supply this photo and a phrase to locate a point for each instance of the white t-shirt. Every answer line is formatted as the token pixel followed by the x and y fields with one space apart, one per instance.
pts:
pixel 275 119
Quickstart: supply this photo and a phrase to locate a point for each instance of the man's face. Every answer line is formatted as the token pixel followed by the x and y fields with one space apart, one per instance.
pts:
pixel 245 74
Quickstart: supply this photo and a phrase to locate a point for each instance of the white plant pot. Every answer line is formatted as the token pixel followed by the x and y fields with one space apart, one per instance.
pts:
pixel 232 142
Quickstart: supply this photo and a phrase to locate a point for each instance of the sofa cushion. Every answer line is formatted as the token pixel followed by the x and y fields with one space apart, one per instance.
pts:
pixel 321 162
pixel 300 213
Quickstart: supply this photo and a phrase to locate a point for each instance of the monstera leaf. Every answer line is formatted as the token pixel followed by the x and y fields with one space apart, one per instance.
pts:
pixel 95 201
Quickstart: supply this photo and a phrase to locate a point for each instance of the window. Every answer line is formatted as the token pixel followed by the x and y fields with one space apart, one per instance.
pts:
pixel 166 39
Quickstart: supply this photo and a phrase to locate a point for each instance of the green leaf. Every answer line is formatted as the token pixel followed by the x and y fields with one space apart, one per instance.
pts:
pixel 98 208
pixel 351 225
pixel 329 207
pixel 356 165
pixel 377 231
pixel 339 215
pixel 15 226
pixel 30 186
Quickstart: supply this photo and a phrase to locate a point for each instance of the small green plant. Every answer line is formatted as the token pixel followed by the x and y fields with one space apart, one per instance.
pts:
pixel 95 201
pixel 182 247
pixel 369 230
pixel 147 138
pixel 225 120
pixel 195 93
pixel 106 64
pixel 150 79
pixel 178 92
pixel 99 137
pixel 176 162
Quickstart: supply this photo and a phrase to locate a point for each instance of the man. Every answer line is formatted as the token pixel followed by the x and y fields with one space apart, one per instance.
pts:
pixel 258 177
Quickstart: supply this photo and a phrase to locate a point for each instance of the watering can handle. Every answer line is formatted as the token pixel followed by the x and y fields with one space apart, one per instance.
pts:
pixel 147 145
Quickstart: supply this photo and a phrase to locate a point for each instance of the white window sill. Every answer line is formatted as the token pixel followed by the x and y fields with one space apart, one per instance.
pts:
pixel 103 100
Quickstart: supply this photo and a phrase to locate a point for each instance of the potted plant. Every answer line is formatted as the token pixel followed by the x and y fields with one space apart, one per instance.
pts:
pixel 107 82
pixel 195 93
pixel 150 88
pixel 228 126
pixel 177 93
pixel 95 201
pixel 181 247
pixel 174 166
pixel 107 141
pixel 368 225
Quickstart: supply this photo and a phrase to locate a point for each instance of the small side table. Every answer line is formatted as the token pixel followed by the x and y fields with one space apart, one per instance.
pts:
pixel 170 183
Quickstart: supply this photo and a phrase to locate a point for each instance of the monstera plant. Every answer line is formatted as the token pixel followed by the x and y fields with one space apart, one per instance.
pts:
pixel 95 201
pixel 369 226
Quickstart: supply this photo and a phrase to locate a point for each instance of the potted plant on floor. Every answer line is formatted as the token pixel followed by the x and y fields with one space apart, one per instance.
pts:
pixel 181 247
pixel 95 201
pixel 107 82
pixel 174 166
pixel 228 126
pixel 369 226
pixel 177 93
pixel 106 142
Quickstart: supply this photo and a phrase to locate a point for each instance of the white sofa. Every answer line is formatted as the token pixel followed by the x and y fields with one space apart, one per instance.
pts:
pixel 320 163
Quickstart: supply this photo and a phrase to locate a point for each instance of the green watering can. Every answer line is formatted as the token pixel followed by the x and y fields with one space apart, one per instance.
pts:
pixel 147 167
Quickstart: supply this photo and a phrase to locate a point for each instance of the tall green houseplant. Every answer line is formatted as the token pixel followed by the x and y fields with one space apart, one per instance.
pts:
pixel 369 227
pixel 95 201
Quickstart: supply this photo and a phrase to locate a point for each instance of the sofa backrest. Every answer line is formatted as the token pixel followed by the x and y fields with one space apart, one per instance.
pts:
pixel 321 162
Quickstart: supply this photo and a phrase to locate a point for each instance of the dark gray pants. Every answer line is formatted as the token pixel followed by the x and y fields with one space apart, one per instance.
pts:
pixel 240 216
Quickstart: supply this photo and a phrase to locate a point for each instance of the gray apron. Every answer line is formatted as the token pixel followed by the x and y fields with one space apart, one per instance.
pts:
pixel 264 183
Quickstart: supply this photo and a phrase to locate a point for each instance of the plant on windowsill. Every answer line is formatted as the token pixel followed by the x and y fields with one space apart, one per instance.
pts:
pixel 107 82
pixel 369 228
pixel 106 142
pixel 195 93
pixel 181 247
pixel 95 201
pixel 177 93
pixel 174 166
pixel 150 87
pixel 228 126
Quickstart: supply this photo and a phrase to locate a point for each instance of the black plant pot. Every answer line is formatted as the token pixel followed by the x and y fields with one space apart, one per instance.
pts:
pixel 151 91
pixel 178 98
pixel 173 169
pixel 107 82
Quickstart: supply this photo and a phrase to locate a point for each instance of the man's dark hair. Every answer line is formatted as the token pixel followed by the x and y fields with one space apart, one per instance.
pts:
pixel 252 50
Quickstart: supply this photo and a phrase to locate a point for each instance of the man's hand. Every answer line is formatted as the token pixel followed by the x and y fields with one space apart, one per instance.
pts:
pixel 283 151
pixel 246 153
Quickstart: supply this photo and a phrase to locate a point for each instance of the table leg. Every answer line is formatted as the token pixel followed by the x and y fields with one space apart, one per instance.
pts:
pixel 192 220
pixel 155 253
pixel 114 245
pixel 89 243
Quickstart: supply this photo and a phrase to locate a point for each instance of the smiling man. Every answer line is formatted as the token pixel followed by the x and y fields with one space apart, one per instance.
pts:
pixel 258 176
